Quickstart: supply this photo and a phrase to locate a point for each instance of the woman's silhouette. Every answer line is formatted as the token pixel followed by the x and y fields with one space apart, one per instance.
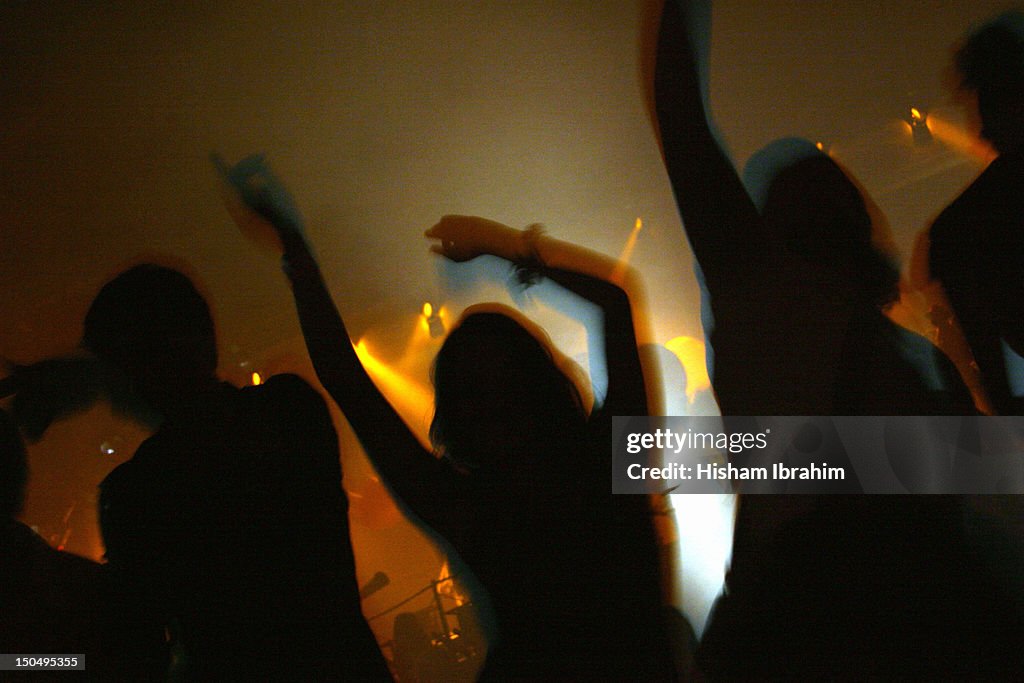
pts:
pixel 829 586
pixel 227 528
pixel 520 489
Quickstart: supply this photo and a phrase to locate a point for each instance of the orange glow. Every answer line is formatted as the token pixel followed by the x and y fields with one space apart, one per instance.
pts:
pixel 627 252
pixel 690 353
pixel 915 115
pixel 432 322
pixel 821 147
pixel 959 139
pixel 447 586
pixel 410 399
pixel 256 379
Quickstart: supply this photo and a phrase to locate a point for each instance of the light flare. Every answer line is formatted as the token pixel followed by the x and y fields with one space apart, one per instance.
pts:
pixel 619 272
pixel 691 354
pixel 411 400
pixel 959 139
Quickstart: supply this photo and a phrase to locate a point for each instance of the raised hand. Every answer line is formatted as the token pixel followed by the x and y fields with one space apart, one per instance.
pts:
pixel 461 238
pixel 259 202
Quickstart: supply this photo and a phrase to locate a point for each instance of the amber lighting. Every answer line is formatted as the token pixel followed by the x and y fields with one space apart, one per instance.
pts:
pixel 690 353
pixel 409 398
pixel 959 139
pixel 627 252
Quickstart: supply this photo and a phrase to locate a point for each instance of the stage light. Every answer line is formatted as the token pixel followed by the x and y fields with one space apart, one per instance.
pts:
pixel 919 127
pixel 433 321
pixel 256 379
pixel 619 271
pixel 412 400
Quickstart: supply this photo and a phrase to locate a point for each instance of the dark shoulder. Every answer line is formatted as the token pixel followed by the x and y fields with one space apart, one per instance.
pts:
pixel 289 382
pixel 124 478
pixel 286 387
pixel 287 397
pixel 288 414
pixel 1000 185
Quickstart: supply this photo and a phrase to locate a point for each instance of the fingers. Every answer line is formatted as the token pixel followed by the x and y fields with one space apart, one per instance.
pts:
pixel 443 225
pixel 251 170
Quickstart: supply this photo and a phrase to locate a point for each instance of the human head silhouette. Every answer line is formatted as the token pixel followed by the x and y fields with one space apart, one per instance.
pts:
pixel 13 468
pixel 498 389
pixel 152 324
pixel 991 66
pixel 816 211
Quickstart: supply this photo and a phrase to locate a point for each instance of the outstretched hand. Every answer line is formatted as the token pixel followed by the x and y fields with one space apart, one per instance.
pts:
pixel 259 202
pixel 462 238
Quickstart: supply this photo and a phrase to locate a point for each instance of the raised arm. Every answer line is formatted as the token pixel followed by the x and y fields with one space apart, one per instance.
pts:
pixel 585 273
pixel 721 221
pixel 418 478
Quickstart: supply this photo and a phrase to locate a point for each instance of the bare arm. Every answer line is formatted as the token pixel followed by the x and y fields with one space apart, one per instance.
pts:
pixel 418 478
pixel 581 271
pixel 721 221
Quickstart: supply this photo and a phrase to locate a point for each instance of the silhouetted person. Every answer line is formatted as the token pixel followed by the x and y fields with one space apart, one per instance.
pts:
pixel 521 490
pixel 795 285
pixel 977 243
pixel 228 526
pixel 51 602
pixel 819 586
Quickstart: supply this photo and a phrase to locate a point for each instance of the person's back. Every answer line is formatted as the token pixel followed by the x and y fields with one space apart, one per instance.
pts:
pixel 564 567
pixel 977 250
pixel 798 290
pixel 977 243
pixel 234 524
pixel 228 527
pixel 868 587
pixel 51 602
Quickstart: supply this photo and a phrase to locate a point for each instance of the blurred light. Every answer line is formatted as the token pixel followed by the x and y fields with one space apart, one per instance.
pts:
pixel 433 321
pixel 919 128
pixel 821 147
pixel 256 379
pixel 627 252
pixel 412 401
pixel 691 354
pixel 959 139
pixel 705 527
pixel 106 448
